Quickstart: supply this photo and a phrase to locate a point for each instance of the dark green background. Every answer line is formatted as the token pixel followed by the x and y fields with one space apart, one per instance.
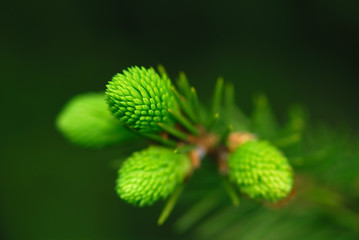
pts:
pixel 294 51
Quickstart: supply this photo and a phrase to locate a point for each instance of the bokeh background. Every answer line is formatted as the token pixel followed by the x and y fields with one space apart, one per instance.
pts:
pixel 294 51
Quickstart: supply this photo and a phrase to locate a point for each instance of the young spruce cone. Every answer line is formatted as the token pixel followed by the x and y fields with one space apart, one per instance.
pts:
pixel 261 171
pixel 151 174
pixel 140 98
pixel 86 121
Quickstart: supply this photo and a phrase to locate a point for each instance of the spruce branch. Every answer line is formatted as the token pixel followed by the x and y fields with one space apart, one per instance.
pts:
pixel 186 133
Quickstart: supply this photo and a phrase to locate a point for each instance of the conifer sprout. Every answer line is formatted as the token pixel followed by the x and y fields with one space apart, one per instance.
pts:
pixel 86 121
pixel 140 98
pixel 151 174
pixel 261 171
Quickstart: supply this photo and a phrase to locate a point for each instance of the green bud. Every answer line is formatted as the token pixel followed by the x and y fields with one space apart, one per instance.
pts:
pixel 86 121
pixel 150 175
pixel 139 97
pixel 261 171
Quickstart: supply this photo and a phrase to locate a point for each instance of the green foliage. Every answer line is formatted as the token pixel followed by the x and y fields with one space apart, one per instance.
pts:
pixel 261 171
pixel 264 122
pixel 325 151
pixel 149 105
pixel 232 114
pixel 85 121
pixel 150 175
pixel 325 205
pixel 140 98
pixel 201 139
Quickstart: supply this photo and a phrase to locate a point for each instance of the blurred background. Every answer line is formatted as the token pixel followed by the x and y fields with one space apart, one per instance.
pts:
pixel 294 51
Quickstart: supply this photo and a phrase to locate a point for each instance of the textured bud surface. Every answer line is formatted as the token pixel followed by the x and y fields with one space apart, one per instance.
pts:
pixel 150 175
pixel 139 97
pixel 261 171
pixel 86 121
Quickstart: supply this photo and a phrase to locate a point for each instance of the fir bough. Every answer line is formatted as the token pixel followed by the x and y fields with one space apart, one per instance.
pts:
pixel 148 104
